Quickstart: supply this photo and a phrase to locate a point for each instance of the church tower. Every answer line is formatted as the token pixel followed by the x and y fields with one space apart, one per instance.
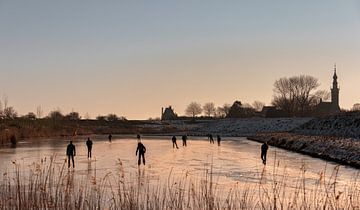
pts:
pixel 335 91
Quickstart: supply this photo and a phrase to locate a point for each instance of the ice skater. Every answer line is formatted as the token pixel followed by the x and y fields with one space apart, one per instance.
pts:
pixel 89 144
pixel 218 138
pixel 184 138
pixel 211 139
pixel 264 149
pixel 110 138
pixel 141 149
pixel 71 152
pixel 174 142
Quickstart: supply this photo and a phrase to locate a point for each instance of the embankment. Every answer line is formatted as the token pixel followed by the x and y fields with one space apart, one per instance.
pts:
pixel 247 126
pixel 333 148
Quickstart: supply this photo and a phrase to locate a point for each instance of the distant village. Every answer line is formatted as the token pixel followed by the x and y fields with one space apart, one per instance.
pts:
pixel 294 97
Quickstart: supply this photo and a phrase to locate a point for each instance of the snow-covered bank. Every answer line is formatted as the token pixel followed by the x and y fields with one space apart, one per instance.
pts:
pixel 343 125
pixel 341 150
pixel 247 126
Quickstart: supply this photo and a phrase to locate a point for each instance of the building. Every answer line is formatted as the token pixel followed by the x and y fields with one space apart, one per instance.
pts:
pixel 272 112
pixel 330 107
pixel 168 114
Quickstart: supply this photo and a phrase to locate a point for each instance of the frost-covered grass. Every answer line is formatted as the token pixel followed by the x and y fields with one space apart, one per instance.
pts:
pixel 248 126
pixel 52 187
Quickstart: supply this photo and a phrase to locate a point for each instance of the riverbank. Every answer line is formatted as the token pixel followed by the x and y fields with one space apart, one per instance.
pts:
pixel 45 128
pixel 338 149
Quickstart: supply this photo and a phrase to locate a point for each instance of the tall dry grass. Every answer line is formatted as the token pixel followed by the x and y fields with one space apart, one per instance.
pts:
pixel 50 186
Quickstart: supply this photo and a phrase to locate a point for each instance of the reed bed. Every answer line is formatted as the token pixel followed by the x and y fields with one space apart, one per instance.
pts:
pixel 50 186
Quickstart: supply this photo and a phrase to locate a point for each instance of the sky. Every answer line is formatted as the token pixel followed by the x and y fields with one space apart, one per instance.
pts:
pixel 133 57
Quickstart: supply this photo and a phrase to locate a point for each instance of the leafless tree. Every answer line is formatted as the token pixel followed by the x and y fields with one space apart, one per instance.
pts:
pixel 258 105
pixel 193 109
pixel 209 109
pixel 10 113
pixel 356 107
pixel 56 115
pixel 318 96
pixel 294 95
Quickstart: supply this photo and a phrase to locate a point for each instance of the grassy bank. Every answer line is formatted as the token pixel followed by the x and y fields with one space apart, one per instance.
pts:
pixel 13 130
pixel 338 149
pixel 49 186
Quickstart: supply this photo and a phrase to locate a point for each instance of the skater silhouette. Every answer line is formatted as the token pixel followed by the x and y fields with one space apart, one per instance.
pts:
pixel 70 152
pixel 211 139
pixel 174 142
pixel 218 140
pixel 110 137
pixel 141 149
pixel 184 138
pixel 264 148
pixel 89 144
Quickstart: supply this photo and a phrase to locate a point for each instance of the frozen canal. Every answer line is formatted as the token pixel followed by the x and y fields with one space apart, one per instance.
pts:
pixel 237 160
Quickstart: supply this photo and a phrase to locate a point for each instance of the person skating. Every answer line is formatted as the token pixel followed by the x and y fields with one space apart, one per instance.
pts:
pixel 211 139
pixel 141 149
pixel 110 138
pixel 264 149
pixel 89 144
pixel 218 138
pixel 174 142
pixel 184 138
pixel 71 152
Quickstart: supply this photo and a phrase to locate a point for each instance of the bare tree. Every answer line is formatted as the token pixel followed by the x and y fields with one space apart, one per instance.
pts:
pixel 294 95
pixel 193 109
pixel 356 107
pixel 209 109
pixel 10 113
pixel 258 105
pixel 56 115
pixel 39 112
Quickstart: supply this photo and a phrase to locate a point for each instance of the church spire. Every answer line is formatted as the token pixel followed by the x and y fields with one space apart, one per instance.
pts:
pixel 335 90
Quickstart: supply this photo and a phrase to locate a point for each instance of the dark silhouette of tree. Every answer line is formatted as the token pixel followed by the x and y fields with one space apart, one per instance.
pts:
pixel 223 111
pixel 56 115
pixel 10 113
pixel 193 109
pixel 209 109
pixel 295 95
pixel 112 117
pixel 73 116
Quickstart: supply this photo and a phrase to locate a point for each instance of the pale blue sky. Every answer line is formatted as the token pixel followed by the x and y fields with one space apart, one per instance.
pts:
pixel 133 57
